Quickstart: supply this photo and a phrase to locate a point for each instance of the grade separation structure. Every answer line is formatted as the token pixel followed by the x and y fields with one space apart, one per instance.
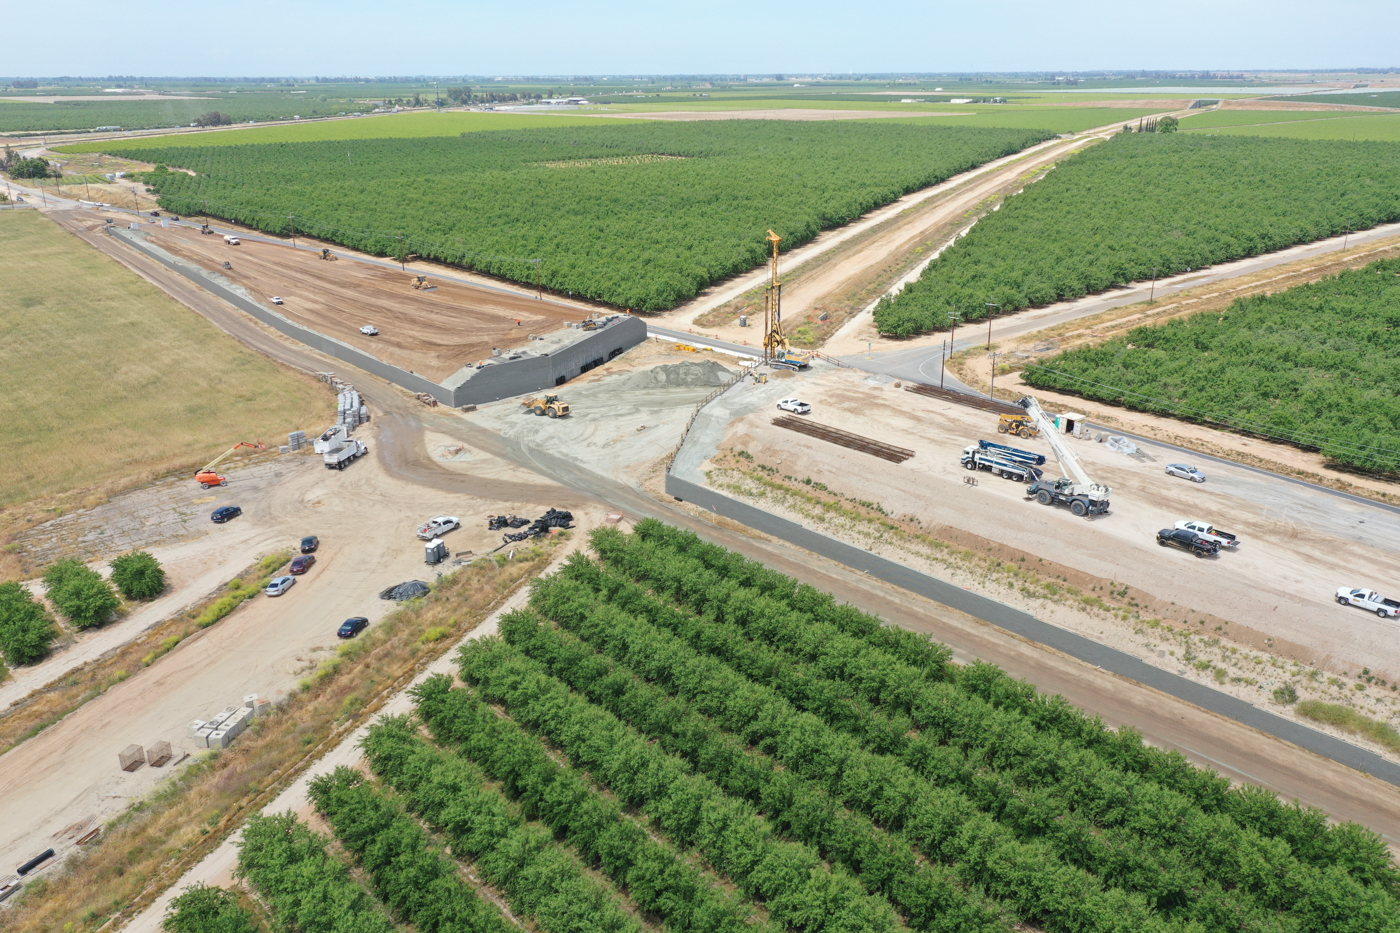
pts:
pixel 511 374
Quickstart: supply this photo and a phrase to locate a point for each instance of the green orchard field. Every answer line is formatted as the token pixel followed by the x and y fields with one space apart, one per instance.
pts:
pixel 415 125
pixel 1364 127
pixel 642 216
pixel 25 117
pixel 675 737
pixel 1111 214
pixel 1318 365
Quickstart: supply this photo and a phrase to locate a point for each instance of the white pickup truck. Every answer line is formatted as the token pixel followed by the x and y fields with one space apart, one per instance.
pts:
pixel 1209 532
pixel 434 527
pixel 1369 600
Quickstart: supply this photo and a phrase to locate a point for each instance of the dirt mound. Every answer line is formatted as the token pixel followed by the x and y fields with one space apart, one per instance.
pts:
pixel 672 375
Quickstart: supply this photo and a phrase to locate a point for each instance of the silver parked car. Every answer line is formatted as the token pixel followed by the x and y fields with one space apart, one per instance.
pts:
pixel 1186 472
pixel 280 585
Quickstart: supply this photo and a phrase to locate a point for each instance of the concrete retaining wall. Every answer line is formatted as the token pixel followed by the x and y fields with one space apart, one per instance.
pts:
pixel 495 382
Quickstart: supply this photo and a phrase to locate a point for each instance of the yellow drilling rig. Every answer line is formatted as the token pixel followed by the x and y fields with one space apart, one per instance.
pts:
pixel 776 350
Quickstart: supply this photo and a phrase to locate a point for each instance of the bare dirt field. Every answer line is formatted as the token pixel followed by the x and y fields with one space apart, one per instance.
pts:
pixel 1296 105
pixel 1298 546
pixel 795 114
pixel 433 333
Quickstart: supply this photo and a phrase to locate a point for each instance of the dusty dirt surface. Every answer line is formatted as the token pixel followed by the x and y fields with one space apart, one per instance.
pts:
pixel 795 114
pixel 1298 546
pixel 1297 105
pixel 433 333
pixel 365 518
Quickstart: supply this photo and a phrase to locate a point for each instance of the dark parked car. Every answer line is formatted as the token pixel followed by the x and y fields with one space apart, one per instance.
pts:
pixel 352 627
pixel 303 563
pixel 309 544
pixel 1188 541
pixel 226 512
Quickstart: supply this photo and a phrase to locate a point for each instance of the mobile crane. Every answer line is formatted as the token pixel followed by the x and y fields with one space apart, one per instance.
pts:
pixel 1083 496
pixel 776 350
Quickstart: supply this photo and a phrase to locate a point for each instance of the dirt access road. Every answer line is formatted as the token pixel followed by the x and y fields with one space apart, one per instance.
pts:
pixel 434 333
pixel 870 254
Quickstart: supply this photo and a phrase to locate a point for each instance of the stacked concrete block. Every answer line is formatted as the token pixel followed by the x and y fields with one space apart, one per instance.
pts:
pixel 220 738
pixel 132 757
pixel 194 728
pixel 257 704
pixel 296 440
pixel 158 754
pixel 352 409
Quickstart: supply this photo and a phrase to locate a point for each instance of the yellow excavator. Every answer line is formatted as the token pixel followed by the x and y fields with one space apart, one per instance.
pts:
pixel 776 349
pixel 421 281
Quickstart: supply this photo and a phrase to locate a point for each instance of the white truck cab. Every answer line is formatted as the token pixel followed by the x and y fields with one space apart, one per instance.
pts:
pixel 1209 532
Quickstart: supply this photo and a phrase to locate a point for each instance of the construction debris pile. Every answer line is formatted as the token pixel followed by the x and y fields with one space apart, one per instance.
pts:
pixel 410 590
pixel 676 375
pixel 497 522
pixel 554 518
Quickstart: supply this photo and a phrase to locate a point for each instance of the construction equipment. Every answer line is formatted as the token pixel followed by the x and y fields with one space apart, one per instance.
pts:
pixel 205 229
pixel 328 255
pixel 977 458
pixel 1012 453
pixel 208 476
pixel 776 349
pixel 1083 496
pixel 421 281
pixel 1017 426
pixel 547 405
pixel 230 239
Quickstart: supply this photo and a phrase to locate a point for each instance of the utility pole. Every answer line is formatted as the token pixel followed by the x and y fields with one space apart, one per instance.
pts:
pixel 990 312
pixel 401 267
pixel 943 364
pixel 991 391
pixel 539 279
pixel 1151 294
pixel 292 219
pixel 1346 238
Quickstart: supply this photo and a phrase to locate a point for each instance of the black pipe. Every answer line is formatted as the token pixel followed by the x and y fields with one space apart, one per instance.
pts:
pixel 35 862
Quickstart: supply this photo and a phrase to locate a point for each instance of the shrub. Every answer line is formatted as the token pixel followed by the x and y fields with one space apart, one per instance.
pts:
pixel 80 593
pixel 204 909
pixel 1286 694
pixel 138 575
pixel 1349 720
pixel 25 628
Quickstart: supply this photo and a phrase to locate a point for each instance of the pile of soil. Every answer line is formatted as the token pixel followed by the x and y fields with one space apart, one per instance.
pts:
pixel 672 375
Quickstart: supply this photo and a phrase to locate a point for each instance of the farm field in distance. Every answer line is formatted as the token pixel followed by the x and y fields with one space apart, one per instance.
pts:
pixel 104 377
pixel 1314 364
pixel 1113 213
pixel 1361 127
pixel 692 725
pixel 641 216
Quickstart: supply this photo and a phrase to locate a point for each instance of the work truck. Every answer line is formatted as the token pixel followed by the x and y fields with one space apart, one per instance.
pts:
pixel 975 458
pixel 1369 600
pixel 1209 532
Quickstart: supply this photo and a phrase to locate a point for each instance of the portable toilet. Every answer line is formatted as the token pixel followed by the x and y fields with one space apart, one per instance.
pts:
pixel 435 551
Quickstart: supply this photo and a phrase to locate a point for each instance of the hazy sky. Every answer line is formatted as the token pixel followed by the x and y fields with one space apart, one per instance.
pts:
pixel 410 37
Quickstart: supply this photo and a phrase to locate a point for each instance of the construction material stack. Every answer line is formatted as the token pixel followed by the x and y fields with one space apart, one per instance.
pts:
pixel 554 518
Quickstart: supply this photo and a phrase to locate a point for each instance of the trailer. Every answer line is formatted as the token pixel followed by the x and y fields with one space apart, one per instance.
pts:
pixel 974 458
pixel 1012 453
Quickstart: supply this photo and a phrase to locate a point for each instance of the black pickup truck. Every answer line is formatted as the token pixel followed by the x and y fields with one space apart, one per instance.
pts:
pixel 1188 541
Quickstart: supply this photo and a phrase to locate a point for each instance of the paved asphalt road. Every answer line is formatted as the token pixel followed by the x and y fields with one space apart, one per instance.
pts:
pixel 921 364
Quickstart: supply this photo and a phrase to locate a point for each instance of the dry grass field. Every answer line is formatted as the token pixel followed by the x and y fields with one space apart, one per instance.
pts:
pixel 104 378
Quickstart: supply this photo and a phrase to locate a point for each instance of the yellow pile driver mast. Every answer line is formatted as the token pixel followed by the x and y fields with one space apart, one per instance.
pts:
pixel 776 349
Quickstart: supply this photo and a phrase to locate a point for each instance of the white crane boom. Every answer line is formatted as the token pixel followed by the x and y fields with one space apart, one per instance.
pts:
pixel 1069 460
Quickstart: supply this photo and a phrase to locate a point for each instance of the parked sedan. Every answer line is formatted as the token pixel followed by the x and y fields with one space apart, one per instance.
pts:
pixel 1187 541
pixel 275 300
pixel 1185 471
pixel 352 627
pixel 369 330
pixel 280 585
pixel 795 406
pixel 224 513
pixel 303 563
pixel 309 544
